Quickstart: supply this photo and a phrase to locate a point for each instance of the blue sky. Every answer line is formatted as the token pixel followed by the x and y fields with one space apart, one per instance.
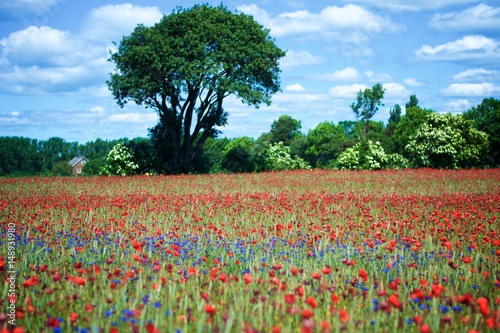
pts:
pixel 53 61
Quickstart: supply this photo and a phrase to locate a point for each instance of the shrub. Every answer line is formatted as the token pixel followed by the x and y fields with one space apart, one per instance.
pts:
pixel 368 155
pixel 277 157
pixel 120 162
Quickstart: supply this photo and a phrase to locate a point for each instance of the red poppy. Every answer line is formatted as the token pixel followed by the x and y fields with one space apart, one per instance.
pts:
pixel 316 276
pixel 311 302
pixel 294 271
pixel 306 314
pixel 344 316
pixel 210 309
pixel 424 328
pixel 363 275
pixel 248 278
pixel 290 299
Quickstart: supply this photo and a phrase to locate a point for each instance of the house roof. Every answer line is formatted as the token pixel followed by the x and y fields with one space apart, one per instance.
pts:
pixel 77 160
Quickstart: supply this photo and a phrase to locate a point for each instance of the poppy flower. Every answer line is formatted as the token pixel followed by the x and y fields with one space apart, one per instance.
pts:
pixel 294 271
pixel 363 275
pixel 344 316
pixel 483 306
pixel 290 299
pixel 316 276
pixel 306 314
pixel 311 302
pixel 424 328
pixel 248 278
pixel 210 309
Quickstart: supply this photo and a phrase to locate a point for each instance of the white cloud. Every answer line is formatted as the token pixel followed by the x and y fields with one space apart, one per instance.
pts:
pixel 347 91
pixel 42 46
pixel 133 117
pixel 295 87
pixel 412 82
pixel 472 47
pixel 377 77
pixel 300 58
pixel 471 89
pixel 109 23
pixel 477 74
pixel 480 17
pixel 20 8
pixel 346 74
pixel 97 109
pixel 393 89
pixel 405 5
pixel 458 105
pixel 349 24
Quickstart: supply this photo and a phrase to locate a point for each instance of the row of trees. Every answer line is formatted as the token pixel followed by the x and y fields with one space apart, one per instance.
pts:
pixel 191 60
pixel 418 138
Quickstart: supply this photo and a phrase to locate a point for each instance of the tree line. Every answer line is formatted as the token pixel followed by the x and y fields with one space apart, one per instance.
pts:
pixel 419 138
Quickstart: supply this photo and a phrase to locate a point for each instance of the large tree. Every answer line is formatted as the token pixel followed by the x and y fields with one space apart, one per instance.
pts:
pixel 186 65
pixel 486 118
pixel 367 104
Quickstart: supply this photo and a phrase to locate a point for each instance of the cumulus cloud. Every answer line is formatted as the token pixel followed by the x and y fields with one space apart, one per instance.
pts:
pixel 349 24
pixel 133 117
pixel 412 82
pixel 458 105
pixel 471 89
pixel 393 89
pixel 377 77
pixel 300 58
pixel 42 46
pixel 111 22
pixel 38 60
pixel 295 87
pixel 413 6
pixel 347 91
pixel 471 47
pixel 346 74
pixel 23 8
pixel 479 18
pixel 477 74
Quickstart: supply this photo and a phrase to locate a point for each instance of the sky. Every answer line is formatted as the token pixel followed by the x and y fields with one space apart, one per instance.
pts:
pixel 53 61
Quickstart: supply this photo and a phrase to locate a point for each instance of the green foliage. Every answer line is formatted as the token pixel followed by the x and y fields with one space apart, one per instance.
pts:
pixel 286 129
pixel 410 122
pixel 142 152
pixel 120 162
pixel 324 144
pixel 186 65
pixel 395 114
pixel 447 141
pixel 367 104
pixel 486 117
pixel 239 155
pixel 62 168
pixel 95 166
pixel 369 155
pixel 412 103
pixel 277 157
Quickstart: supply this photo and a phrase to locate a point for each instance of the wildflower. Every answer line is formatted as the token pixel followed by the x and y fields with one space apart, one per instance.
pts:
pixel 210 309
pixel 311 302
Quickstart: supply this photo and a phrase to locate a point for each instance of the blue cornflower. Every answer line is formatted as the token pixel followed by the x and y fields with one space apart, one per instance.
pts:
pixel 409 321
pixel 443 309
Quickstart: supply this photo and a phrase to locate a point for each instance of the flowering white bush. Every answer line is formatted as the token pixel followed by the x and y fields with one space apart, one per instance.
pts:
pixel 447 141
pixel 368 155
pixel 120 161
pixel 277 157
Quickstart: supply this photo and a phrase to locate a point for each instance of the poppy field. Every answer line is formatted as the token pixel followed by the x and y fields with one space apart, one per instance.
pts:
pixel 301 251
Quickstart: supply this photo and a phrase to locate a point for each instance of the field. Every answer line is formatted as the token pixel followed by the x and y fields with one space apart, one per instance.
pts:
pixel 305 251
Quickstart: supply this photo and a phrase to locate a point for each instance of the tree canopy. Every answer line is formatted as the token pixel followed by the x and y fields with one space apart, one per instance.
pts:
pixel 367 104
pixel 186 65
